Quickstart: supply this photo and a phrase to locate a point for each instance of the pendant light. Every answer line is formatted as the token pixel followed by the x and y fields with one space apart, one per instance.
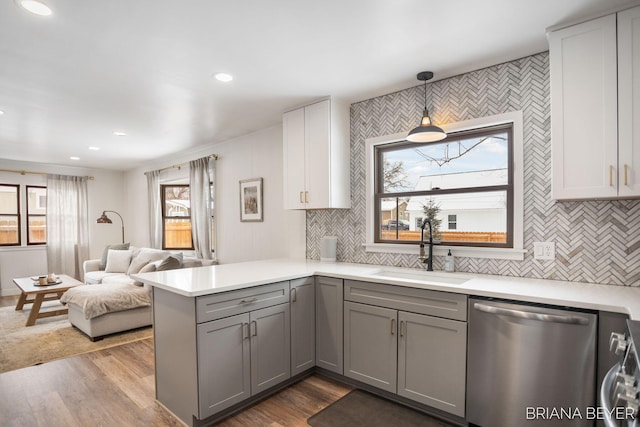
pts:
pixel 426 132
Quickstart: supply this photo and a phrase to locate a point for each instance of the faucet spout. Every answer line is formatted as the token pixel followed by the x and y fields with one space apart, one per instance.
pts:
pixel 422 258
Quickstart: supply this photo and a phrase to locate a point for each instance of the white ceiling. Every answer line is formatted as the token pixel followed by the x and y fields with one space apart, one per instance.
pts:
pixel 145 67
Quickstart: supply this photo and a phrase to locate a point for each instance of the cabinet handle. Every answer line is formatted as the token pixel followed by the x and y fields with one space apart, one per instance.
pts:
pixel 294 295
pixel 301 198
pixel 255 328
pixel 402 328
pixel 626 167
pixel 393 326
pixel 243 329
pixel 306 197
pixel 247 301
pixel 611 175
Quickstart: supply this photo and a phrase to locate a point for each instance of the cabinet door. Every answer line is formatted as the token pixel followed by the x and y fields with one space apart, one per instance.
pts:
pixel 223 364
pixel 629 101
pixel 584 121
pixel 371 345
pixel 270 347
pixel 303 325
pixel 329 323
pixel 432 360
pixel 318 153
pixel 293 126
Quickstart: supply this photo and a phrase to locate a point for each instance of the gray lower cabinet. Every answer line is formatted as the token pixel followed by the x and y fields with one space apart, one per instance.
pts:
pixel 329 325
pixel 432 361
pixel 371 345
pixel 303 324
pixel 416 355
pixel 241 356
pixel 215 351
pixel 224 362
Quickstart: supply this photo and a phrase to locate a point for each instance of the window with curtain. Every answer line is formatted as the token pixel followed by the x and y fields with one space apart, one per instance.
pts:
pixel 176 217
pixel 9 215
pixel 36 215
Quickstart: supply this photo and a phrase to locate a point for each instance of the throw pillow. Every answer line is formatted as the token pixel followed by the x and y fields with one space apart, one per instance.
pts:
pixel 149 268
pixel 170 263
pixel 105 252
pixel 143 256
pixel 118 261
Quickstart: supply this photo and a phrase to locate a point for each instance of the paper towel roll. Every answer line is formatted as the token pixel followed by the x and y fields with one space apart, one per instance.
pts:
pixel 328 248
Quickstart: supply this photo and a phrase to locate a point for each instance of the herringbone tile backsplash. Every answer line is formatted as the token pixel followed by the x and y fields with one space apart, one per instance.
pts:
pixel 596 241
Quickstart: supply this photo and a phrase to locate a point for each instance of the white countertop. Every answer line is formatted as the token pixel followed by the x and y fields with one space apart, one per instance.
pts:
pixel 193 282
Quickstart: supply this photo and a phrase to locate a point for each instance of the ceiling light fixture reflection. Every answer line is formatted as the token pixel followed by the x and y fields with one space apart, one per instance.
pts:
pixel 94 148
pixel 1 112
pixel 118 133
pixel 35 7
pixel 74 158
pixel 223 77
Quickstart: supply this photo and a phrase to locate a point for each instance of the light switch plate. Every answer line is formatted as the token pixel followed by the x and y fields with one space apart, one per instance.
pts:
pixel 544 250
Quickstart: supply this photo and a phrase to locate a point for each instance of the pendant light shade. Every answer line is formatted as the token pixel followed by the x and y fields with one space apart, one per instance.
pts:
pixel 426 132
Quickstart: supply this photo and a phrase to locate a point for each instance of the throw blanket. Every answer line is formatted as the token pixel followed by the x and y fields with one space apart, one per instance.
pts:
pixel 96 300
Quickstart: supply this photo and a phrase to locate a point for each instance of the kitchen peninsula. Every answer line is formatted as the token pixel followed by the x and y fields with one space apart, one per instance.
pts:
pixel 225 334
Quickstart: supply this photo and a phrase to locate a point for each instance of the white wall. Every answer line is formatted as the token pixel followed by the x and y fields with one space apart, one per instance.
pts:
pixel 281 234
pixel 105 193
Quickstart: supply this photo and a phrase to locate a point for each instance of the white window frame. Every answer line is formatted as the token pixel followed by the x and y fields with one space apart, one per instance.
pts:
pixel 515 253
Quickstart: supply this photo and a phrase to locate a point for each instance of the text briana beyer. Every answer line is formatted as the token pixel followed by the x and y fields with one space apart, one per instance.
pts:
pixel 589 413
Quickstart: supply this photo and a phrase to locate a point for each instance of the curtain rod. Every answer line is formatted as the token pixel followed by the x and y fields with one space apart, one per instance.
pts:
pixel 178 166
pixel 24 172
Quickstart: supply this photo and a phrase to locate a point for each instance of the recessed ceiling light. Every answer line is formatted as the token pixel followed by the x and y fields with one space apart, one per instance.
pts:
pixel 1 112
pixel 74 158
pixel 35 7
pixel 94 148
pixel 118 133
pixel 223 77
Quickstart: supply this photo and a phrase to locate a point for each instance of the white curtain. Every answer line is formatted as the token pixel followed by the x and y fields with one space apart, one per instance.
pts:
pixel 67 224
pixel 155 209
pixel 201 172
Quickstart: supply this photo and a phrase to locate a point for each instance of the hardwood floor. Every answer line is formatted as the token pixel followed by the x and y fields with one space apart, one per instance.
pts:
pixel 115 387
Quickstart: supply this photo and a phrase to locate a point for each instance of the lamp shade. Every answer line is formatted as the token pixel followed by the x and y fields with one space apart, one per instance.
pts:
pixel 104 219
pixel 426 132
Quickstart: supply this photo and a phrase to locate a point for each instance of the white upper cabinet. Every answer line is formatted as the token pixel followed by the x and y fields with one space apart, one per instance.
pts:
pixel 594 87
pixel 629 101
pixel 316 156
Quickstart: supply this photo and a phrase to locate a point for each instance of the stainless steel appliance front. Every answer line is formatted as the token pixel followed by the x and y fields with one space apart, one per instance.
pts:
pixel 530 365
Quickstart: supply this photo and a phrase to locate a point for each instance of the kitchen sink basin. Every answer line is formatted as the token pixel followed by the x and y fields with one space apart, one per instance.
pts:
pixel 421 276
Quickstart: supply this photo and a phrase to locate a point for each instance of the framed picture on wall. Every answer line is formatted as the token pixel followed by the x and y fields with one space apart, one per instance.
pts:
pixel 251 200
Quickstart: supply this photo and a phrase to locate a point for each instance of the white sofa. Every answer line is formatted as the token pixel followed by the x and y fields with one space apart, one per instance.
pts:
pixel 112 301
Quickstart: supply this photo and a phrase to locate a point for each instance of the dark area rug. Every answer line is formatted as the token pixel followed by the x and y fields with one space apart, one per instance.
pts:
pixel 362 409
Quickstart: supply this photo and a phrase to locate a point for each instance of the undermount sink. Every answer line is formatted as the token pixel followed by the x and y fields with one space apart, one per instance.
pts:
pixel 421 276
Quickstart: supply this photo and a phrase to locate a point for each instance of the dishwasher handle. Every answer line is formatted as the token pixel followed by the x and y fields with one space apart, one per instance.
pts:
pixel 521 314
pixel 605 395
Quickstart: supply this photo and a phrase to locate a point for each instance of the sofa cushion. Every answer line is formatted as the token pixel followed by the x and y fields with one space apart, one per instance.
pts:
pixel 144 256
pixel 105 252
pixel 170 263
pixel 118 261
pixel 95 277
pixel 118 279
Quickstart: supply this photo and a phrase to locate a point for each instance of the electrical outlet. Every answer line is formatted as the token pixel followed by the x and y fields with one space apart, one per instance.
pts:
pixel 544 250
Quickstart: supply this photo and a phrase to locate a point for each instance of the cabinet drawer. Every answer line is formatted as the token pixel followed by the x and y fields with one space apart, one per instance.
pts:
pixel 226 304
pixel 423 301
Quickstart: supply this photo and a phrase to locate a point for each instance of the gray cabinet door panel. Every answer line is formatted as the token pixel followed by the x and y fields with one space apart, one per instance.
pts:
pixel 371 345
pixel 423 301
pixel 303 324
pixel 223 364
pixel 329 324
pixel 432 360
pixel 270 348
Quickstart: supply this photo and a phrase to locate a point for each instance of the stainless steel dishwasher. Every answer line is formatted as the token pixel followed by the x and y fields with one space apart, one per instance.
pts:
pixel 530 365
